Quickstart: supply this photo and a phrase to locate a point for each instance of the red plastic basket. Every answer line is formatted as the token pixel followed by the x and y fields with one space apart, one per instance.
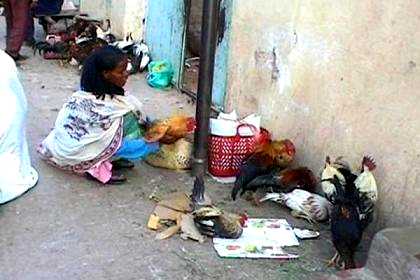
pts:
pixel 227 153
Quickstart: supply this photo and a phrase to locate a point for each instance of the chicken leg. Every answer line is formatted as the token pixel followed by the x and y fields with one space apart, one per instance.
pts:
pixel 301 215
pixel 334 261
pixel 253 198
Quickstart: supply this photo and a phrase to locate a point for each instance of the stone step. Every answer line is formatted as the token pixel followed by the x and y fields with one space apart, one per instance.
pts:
pixel 394 255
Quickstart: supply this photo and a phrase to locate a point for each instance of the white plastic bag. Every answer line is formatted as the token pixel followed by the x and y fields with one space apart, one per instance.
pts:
pixel 227 125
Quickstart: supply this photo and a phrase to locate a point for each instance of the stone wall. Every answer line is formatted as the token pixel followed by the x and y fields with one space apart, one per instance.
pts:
pixel 126 15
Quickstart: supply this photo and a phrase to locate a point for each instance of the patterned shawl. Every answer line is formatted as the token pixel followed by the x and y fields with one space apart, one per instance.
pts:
pixel 87 131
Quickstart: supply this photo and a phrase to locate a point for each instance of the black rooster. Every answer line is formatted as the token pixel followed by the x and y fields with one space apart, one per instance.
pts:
pixel 286 180
pixel 347 223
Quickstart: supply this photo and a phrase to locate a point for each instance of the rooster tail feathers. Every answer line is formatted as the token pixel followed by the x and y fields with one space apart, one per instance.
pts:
pixel 349 177
pixel 261 181
pixel 366 219
pixel 339 187
pixel 236 188
pixel 239 186
pixel 366 210
pixel 269 180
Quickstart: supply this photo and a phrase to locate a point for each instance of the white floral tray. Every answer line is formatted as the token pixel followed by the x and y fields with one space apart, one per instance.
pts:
pixel 261 238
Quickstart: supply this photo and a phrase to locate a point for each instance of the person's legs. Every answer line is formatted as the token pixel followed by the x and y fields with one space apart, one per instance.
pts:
pixel 30 29
pixel 19 20
pixel 8 15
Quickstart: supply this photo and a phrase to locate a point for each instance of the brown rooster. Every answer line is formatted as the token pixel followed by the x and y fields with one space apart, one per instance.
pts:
pixel 215 222
pixel 80 51
pixel 274 154
pixel 170 130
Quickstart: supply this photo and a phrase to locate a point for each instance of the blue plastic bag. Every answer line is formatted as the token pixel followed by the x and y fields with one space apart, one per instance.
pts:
pixel 135 149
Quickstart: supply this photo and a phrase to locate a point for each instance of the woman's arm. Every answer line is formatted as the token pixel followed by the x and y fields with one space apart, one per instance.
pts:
pixel 137 107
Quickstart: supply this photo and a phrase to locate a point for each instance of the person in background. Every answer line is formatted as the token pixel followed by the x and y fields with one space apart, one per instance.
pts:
pixel 16 173
pixel 17 21
pixel 30 29
pixel 100 128
pixel 43 9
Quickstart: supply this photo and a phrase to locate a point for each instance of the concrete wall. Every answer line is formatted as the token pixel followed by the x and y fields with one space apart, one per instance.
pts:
pixel 126 15
pixel 338 78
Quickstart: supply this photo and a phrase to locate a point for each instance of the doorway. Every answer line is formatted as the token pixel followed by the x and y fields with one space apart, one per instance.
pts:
pixel 173 33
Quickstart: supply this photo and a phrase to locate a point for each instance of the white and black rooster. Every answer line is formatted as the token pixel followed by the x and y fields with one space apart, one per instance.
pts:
pixel 365 181
pixel 353 198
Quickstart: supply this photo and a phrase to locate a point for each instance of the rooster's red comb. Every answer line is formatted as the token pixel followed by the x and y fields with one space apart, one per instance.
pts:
pixel 369 162
pixel 290 147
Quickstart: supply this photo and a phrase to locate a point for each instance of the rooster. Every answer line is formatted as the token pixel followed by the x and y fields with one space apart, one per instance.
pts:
pixel 170 130
pixel 60 49
pixel 365 182
pixel 346 224
pixel 140 57
pixel 306 205
pixel 215 222
pixel 352 211
pixel 78 52
pixel 274 154
pixel 103 31
pixel 337 168
pixel 286 180
pixel 368 190
pixel 77 42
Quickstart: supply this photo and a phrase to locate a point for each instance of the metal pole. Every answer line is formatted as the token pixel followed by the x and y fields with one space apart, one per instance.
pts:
pixel 205 84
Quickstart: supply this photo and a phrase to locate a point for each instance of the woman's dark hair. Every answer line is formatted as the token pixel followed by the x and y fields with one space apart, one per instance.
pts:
pixel 93 80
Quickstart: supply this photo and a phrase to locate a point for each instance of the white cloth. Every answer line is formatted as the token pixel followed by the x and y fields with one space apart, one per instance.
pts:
pixel 87 131
pixel 17 174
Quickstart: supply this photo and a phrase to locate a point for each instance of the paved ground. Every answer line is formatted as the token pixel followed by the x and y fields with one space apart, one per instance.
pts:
pixel 71 228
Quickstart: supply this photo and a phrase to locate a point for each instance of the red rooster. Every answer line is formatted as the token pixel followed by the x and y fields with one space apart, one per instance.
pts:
pixel 274 154
pixel 170 130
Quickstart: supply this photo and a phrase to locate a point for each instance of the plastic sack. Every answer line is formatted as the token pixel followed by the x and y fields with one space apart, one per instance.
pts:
pixel 135 149
pixel 175 156
pixel 160 74
pixel 227 125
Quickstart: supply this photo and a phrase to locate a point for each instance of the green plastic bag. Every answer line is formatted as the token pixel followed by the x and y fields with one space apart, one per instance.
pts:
pixel 160 74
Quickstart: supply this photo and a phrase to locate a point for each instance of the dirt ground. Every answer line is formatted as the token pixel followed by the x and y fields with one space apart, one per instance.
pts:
pixel 71 228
